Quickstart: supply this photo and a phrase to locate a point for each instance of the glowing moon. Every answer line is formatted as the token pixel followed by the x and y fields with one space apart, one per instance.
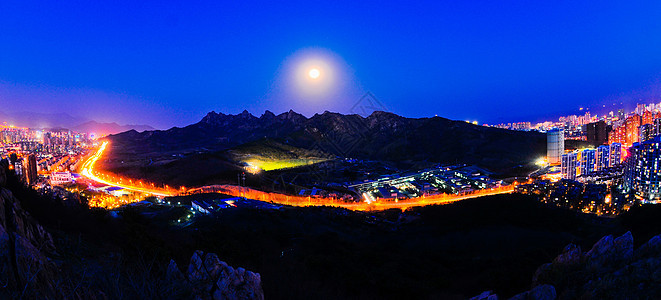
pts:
pixel 314 73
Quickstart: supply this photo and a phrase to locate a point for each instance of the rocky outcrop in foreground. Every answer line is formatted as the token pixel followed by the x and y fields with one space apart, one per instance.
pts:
pixel 23 266
pixel 611 269
pixel 28 272
pixel 211 278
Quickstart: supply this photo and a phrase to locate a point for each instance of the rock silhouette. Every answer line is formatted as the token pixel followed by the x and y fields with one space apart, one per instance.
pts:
pixel 611 269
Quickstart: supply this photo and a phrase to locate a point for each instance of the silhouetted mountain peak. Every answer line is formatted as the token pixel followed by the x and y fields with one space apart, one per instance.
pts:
pixel 109 128
pixel 245 115
pixel 267 115
pixel 383 114
pixel 333 115
pixel 337 120
pixel 292 116
pixel 214 118
pixel 210 117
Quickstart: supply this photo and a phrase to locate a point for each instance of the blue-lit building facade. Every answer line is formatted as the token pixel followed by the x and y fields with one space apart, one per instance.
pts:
pixel 615 150
pixel 569 165
pixel 586 161
pixel 643 170
pixel 603 157
pixel 588 158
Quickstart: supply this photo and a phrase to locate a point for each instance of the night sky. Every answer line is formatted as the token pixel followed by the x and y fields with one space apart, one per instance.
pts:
pixel 168 64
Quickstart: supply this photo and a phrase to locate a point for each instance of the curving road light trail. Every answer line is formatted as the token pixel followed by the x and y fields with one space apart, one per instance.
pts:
pixel 88 171
pixel 282 199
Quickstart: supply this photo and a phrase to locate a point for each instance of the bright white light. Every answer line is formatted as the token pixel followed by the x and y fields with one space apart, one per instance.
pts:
pixel 308 80
pixel 314 73
pixel 312 80
pixel 541 161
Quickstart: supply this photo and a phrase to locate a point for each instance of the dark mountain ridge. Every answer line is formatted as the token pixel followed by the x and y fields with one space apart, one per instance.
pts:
pixel 108 128
pixel 40 120
pixel 65 121
pixel 380 136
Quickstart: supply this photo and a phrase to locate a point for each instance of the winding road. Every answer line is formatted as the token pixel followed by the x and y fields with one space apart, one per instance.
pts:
pixel 89 172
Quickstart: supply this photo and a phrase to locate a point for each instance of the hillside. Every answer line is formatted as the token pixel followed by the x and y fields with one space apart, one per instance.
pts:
pixel 270 155
pixel 435 252
pixel 380 136
pixel 52 250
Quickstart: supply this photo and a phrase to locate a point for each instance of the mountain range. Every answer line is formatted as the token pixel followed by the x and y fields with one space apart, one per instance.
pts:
pixel 108 128
pixel 64 120
pixel 40 120
pixel 381 136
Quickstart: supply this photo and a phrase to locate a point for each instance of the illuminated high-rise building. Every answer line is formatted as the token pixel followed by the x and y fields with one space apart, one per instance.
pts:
pixel 603 157
pixel 587 161
pixel 643 169
pixel 646 132
pixel 617 135
pixel 657 127
pixel 555 145
pixel 632 134
pixel 616 154
pixel 647 118
pixel 30 169
pixel 569 165
pixel 597 133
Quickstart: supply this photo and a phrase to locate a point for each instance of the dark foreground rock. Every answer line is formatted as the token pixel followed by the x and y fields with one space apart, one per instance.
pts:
pixel 540 292
pixel 24 269
pixel 32 268
pixel 211 278
pixel 611 269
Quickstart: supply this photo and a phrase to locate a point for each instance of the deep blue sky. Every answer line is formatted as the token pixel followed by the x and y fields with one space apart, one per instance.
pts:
pixel 168 64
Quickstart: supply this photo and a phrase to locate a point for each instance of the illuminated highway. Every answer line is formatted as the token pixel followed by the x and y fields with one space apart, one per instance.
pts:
pixel 88 171
pixel 277 198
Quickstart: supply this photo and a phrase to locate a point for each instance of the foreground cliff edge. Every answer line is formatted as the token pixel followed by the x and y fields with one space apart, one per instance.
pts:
pixel 612 269
pixel 32 268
